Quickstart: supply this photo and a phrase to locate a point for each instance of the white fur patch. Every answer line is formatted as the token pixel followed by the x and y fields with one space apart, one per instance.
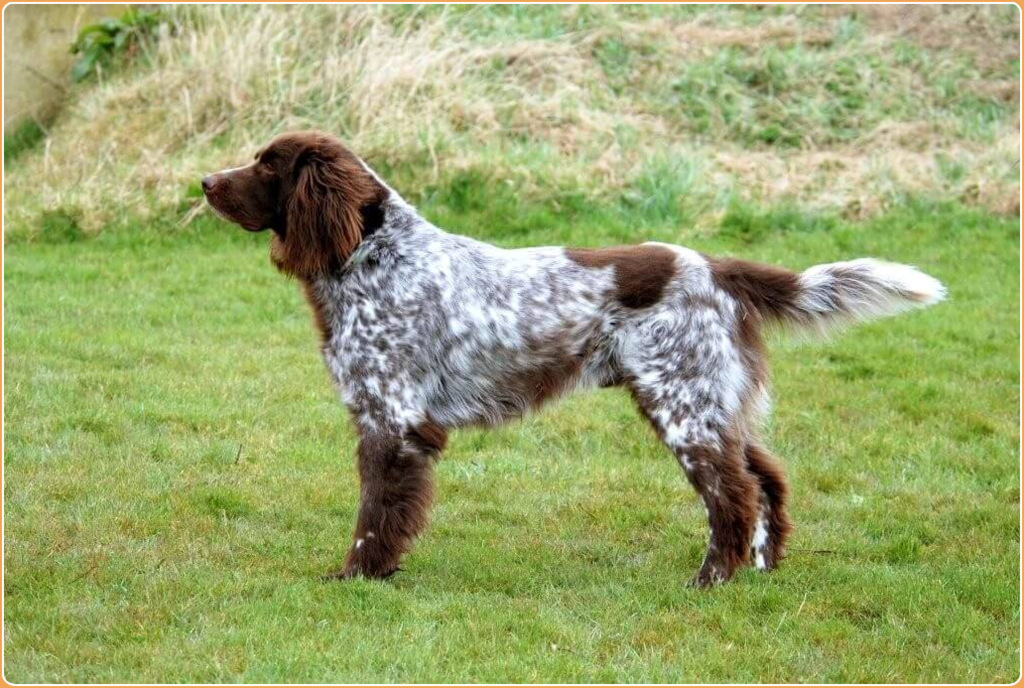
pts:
pixel 862 289
pixel 759 542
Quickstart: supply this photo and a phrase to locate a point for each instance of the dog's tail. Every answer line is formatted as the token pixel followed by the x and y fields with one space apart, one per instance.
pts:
pixel 825 296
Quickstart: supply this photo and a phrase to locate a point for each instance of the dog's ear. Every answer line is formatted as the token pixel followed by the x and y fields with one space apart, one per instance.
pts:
pixel 324 205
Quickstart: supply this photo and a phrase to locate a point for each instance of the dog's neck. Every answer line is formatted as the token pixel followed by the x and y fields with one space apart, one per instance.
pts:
pixel 384 226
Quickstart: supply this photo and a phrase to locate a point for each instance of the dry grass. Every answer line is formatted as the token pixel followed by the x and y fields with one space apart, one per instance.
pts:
pixel 843 108
pixel 980 32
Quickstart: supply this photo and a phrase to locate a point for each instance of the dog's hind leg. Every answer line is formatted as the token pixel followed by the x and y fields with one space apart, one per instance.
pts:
pixel 396 490
pixel 768 544
pixel 714 462
pixel 729 493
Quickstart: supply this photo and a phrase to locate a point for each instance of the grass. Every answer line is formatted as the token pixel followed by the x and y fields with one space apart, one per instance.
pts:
pixel 22 139
pixel 178 473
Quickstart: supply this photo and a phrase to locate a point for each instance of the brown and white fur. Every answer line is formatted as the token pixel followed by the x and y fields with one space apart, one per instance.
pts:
pixel 424 331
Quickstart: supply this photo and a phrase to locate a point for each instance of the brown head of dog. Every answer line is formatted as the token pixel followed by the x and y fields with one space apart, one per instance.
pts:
pixel 314 194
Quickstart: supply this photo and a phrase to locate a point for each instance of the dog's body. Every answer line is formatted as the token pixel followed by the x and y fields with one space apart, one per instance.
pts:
pixel 425 331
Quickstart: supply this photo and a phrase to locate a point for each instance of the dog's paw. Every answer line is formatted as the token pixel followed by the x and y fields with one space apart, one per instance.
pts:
pixel 340 574
pixel 703 581
pixel 709 576
pixel 348 572
pixel 764 560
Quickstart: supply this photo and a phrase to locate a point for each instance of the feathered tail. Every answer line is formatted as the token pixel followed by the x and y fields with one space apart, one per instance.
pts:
pixel 828 295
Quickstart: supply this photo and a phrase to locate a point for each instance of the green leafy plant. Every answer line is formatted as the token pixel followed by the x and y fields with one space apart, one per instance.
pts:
pixel 99 44
pixel 23 138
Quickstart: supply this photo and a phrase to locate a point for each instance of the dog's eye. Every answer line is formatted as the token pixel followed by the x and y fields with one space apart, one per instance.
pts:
pixel 267 159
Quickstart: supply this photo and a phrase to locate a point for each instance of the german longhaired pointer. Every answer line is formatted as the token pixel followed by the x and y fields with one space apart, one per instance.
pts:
pixel 424 331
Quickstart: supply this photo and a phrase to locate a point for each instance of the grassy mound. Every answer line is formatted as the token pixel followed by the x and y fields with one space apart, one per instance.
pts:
pixel 681 109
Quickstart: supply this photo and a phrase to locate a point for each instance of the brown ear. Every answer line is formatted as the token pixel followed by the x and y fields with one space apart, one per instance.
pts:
pixel 324 210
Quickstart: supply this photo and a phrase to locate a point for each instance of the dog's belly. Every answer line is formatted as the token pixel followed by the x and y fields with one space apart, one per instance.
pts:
pixel 498 386
pixel 498 356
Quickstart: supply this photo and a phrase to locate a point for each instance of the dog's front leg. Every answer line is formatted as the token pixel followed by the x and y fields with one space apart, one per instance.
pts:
pixel 395 495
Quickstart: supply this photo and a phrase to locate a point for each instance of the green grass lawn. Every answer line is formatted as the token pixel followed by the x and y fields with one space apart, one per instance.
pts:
pixel 178 473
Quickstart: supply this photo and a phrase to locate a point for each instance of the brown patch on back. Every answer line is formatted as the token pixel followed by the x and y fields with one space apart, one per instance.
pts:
pixel 319 313
pixel 641 272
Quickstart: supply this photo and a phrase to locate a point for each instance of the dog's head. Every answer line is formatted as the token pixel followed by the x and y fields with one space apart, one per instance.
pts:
pixel 314 194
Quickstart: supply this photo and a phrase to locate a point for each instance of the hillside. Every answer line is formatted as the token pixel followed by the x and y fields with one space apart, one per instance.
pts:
pixel 672 112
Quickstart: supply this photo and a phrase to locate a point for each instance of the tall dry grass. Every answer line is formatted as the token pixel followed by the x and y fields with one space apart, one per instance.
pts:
pixel 567 98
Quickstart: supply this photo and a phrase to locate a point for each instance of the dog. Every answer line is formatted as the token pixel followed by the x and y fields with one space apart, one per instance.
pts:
pixel 424 331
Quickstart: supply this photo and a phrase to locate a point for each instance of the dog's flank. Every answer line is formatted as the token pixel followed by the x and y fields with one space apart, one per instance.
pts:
pixel 424 331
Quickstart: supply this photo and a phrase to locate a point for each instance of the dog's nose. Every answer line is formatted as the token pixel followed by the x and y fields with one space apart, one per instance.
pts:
pixel 209 181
